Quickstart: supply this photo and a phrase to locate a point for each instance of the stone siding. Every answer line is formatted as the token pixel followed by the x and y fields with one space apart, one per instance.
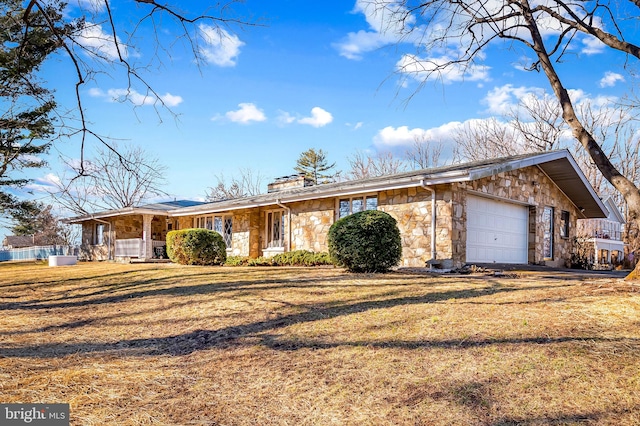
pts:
pixel 90 251
pixel 241 234
pixel 311 221
pixel 411 208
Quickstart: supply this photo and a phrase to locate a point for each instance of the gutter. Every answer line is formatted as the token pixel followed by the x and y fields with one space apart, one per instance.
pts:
pixel 433 217
pixel 288 209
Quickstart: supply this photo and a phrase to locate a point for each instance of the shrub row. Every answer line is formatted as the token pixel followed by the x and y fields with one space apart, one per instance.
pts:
pixel 292 258
pixel 367 241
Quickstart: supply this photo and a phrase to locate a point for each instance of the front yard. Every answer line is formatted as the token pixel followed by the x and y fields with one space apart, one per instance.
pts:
pixel 166 344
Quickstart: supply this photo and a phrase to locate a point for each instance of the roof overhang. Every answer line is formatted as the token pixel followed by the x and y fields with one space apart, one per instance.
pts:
pixel 563 170
pixel 559 166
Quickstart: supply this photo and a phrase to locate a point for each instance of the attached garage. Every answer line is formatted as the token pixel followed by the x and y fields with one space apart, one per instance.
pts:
pixel 496 231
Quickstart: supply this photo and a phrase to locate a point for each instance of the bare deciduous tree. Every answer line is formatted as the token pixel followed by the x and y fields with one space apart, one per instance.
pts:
pixel 478 139
pixel 248 182
pixel 424 153
pixel 366 166
pixel 538 121
pixel 112 180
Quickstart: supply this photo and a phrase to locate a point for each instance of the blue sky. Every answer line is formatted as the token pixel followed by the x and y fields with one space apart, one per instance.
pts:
pixel 312 75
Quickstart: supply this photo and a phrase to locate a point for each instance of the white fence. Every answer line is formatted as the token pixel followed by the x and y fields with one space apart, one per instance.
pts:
pixel 36 252
pixel 131 247
pixel 134 247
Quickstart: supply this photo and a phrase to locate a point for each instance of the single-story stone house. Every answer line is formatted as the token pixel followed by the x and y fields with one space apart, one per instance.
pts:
pixel 519 209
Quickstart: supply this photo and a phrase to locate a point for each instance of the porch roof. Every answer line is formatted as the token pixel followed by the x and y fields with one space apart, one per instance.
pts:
pixel 156 209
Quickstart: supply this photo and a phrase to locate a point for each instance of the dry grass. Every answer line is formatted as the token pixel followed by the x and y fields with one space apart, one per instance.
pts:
pixel 163 344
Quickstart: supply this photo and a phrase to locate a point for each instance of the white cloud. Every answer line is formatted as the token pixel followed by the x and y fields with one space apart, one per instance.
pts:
pixel 45 184
pixel 392 137
pixel 247 113
pixel 592 46
pixel 319 118
pixel 171 100
pixel 285 118
pixel 138 99
pixel 400 136
pixel 504 99
pixel 444 67
pixel 385 28
pixel 356 44
pixel 610 79
pixel 221 47
pixel 100 43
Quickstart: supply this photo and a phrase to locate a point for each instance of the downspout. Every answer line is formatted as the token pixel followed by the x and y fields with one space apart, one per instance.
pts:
pixel 288 209
pixel 108 246
pixel 433 218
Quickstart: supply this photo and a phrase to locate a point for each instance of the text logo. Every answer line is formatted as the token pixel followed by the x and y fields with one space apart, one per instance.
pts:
pixel 34 414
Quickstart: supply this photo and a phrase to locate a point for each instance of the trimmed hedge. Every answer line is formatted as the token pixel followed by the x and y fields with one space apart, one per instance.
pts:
pixel 367 241
pixel 292 258
pixel 301 258
pixel 196 247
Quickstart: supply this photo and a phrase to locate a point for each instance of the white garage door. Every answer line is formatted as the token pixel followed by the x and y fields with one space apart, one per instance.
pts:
pixel 496 231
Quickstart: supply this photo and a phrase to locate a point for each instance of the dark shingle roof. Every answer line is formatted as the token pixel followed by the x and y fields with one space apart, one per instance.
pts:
pixel 17 241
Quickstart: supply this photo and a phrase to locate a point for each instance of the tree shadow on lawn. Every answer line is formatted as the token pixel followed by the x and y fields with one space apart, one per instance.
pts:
pixel 184 344
pixel 140 288
pixel 476 397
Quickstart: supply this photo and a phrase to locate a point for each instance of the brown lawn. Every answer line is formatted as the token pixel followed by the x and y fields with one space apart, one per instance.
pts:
pixel 164 344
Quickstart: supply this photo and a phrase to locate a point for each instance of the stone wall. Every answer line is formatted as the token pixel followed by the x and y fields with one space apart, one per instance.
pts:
pixel 411 208
pixel 89 251
pixel 241 234
pixel 311 221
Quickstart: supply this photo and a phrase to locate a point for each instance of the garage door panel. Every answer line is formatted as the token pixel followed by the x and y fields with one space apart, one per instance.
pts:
pixel 496 231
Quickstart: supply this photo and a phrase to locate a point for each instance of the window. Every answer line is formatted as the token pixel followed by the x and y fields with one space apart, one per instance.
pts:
pixel 564 224
pixel 547 238
pixel 99 235
pixel 275 228
pixel 205 222
pixel 228 231
pixel 223 225
pixel 347 206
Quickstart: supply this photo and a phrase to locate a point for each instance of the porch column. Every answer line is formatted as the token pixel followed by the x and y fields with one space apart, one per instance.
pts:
pixel 147 241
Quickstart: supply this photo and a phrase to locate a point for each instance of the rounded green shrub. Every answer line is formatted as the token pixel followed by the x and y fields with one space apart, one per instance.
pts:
pixel 367 241
pixel 196 247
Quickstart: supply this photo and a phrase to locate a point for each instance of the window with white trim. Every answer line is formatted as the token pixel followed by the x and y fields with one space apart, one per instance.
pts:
pixel 98 238
pixel 347 206
pixel 274 223
pixel 223 225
